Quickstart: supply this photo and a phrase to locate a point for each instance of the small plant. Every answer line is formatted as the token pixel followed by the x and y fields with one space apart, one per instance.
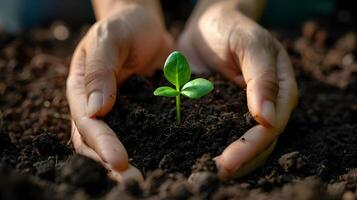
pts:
pixel 177 71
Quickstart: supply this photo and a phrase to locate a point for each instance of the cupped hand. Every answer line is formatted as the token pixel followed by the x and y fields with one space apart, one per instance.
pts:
pixel 226 40
pixel 131 40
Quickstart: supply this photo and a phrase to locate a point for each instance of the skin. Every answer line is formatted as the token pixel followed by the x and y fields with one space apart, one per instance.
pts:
pixel 222 37
pixel 129 38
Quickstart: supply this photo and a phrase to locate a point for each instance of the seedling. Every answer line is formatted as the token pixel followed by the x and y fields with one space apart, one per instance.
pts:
pixel 177 71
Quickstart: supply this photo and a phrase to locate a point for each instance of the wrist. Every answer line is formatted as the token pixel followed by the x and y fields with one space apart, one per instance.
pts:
pixel 251 8
pixel 106 8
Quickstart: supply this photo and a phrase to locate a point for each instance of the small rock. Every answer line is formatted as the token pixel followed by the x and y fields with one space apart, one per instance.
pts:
pixel 45 169
pixel 292 161
pixel 117 193
pixel 132 187
pixel 47 144
pixel 308 188
pixel 179 191
pixel 154 180
pixel 86 174
pixel 205 163
pixel 204 183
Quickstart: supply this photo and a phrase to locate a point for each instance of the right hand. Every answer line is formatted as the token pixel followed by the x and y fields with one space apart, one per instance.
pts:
pixel 129 41
pixel 223 38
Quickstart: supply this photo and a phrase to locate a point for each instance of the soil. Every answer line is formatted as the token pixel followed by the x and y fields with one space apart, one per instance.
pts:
pixel 315 157
pixel 209 124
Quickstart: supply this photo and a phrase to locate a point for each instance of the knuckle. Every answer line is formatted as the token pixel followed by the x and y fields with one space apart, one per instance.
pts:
pixel 267 85
pixel 250 37
pixel 262 35
pixel 102 30
pixel 110 29
pixel 265 77
pixel 94 64
pixel 268 73
pixel 270 83
pixel 95 77
pixel 258 39
pixel 271 86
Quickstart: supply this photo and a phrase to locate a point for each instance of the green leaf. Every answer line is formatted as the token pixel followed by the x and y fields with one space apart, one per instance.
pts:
pixel 177 69
pixel 197 88
pixel 166 92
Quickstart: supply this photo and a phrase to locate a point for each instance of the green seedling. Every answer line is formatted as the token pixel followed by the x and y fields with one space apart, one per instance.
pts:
pixel 177 71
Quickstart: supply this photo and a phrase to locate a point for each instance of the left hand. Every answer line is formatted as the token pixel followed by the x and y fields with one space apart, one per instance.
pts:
pixel 229 42
pixel 128 39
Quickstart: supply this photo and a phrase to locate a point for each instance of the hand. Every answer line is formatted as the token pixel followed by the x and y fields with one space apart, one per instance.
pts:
pixel 229 42
pixel 131 40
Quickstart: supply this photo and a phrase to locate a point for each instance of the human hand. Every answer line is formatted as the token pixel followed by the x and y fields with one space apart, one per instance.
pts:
pixel 130 40
pixel 224 39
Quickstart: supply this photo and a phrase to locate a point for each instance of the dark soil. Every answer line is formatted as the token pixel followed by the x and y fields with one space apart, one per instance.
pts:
pixel 208 125
pixel 315 157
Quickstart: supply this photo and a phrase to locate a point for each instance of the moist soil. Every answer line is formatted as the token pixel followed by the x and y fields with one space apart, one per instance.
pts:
pixel 315 157
pixel 209 124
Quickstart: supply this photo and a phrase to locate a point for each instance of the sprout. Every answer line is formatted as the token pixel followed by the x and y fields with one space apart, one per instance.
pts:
pixel 177 71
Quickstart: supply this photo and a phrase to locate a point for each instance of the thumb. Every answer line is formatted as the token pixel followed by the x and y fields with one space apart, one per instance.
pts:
pixel 260 74
pixel 103 61
pixel 101 91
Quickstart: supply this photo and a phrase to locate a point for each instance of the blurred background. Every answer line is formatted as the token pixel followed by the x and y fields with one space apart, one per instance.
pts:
pixel 20 15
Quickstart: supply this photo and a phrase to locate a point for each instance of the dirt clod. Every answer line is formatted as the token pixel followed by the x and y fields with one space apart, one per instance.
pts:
pixel 292 161
pixel 82 172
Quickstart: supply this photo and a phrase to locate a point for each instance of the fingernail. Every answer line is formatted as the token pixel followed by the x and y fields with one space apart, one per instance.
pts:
pixel 268 112
pixel 95 102
pixel 221 171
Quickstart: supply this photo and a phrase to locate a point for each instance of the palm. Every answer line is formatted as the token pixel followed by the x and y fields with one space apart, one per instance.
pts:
pixel 252 59
pixel 130 42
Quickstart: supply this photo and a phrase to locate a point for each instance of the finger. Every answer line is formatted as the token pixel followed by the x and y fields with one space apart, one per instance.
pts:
pixel 287 97
pixel 81 148
pixel 94 132
pixel 104 57
pixel 75 90
pixel 242 151
pixel 103 140
pixel 131 173
pixel 260 74
pixel 251 151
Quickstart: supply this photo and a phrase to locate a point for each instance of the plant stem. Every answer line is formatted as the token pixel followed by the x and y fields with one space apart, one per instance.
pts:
pixel 178 112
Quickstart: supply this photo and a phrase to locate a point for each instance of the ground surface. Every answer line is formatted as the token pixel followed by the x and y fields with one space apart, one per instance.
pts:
pixel 149 122
pixel 315 156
